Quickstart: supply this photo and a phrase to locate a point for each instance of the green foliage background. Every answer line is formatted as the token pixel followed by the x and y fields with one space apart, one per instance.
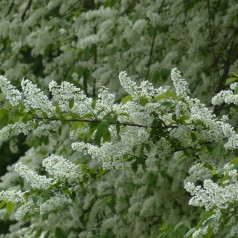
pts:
pixel 88 43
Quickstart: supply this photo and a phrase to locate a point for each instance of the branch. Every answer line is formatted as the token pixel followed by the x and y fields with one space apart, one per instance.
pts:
pixel 126 67
pixel 217 109
pixel 214 64
pixel 89 121
pixel 10 8
pixel 26 10
pixel 151 53
pixel 98 121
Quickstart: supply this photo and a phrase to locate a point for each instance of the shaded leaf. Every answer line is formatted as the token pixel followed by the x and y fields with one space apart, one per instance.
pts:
pixel 126 99
pixel 59 233
pixel 4 118
pixel 71 103
pixel 10 207
pixel 2 204
pixel 102 132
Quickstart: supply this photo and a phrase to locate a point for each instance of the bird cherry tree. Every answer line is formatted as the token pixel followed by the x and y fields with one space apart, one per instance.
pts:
pixel 97 167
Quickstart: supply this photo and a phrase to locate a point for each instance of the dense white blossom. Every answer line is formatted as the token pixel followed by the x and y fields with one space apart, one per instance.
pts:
pixel 140 133
pixel 35 98
pixel 11 93
pixel 65 92
pixel 110 153
pixel 46 128
pixel 29 206
pixel 35 180
pixel 12 195
pixel 83 45
pixel 181 86
pixel 58 201
pixel 226 96
pixel 15 129
pixel 61 169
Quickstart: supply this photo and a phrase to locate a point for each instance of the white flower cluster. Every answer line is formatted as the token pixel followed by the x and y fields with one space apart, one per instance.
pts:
pixel 65 92
pixel 198 172
pixel 12 195
pixel 146 89
pixel 11 93
pixel 36 99
pixel 216 130
pixel 46 129
pixel 59 201
pixel 61 168
pixel 227 96
pixel 212 195
pixel 28 206
pixel 111 153
pixel 181 86
pixel 142 129
pixel 128 84
pixel 14 129
pixel 219 198
pixel 104 104
pixel 35 180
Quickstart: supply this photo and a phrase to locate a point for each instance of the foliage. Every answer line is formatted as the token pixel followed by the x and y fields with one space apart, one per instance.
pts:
pixel 89 176
pixel 90 42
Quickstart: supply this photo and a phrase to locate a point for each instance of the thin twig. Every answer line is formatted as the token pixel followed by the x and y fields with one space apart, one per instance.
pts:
pixel 89 121
pixel 211 39
pixel 10 8
pixel 151 53
pixel 26 9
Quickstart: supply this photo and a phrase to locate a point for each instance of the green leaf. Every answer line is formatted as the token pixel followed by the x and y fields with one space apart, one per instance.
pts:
pixel 234 74
pixel 166 95
pixel 209 234
pixel 193 136
pixel 18 116
pixel 126 99
pixel 59 233
pixel 45 139
pixel 72 195
pixel 71 103
pixel 37 233
pixel 189 233
pixel 154 76
pixel 231 80
pixel 10 207
pixel 180 224
pixel 143 101
pixel 58 109
pixel 78 124
pixel 206 214
pixel 4 118
pixel 102 132
pixel 94 103
pixel 47 234
pixel 2 204
pixel 118 130
pixel 164 227
pixel 88 115
pixel 234 161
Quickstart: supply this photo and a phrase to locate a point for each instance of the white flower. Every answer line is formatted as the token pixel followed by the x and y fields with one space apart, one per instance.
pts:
pixel 35 98
pixel 26 207
pixel 61 169
pixel 35 180
pixel 12 195
pixel 11 93
pixel 226 96
pixel 180 85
